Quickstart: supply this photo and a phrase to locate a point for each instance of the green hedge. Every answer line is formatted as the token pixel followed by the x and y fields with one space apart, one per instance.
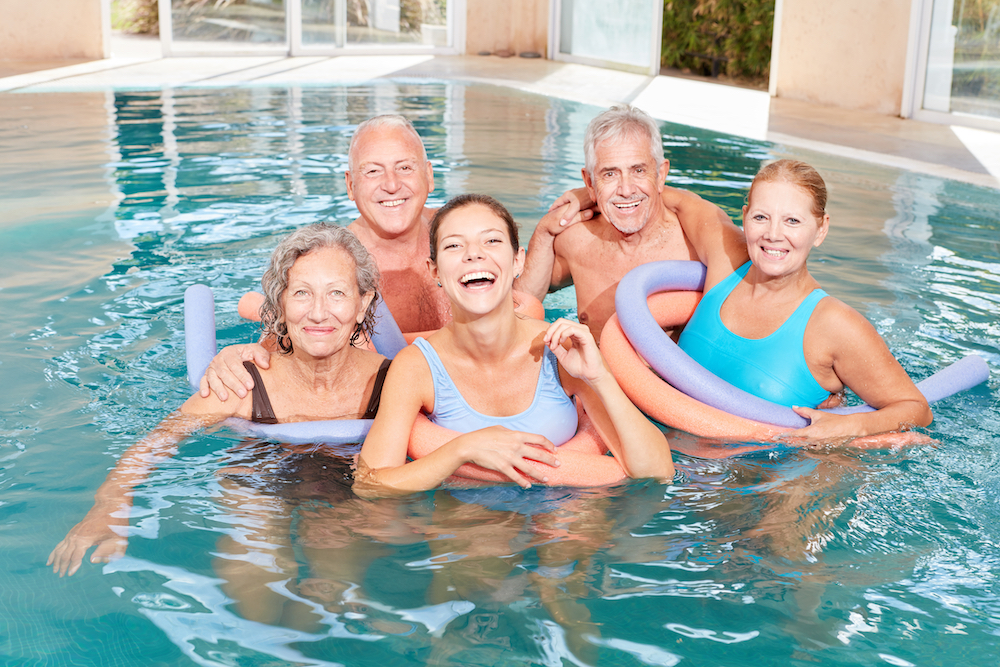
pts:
pixel 736 32
pixel 140 17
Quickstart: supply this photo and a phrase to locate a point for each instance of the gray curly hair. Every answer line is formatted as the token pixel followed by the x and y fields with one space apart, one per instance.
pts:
pixel 302 242
pixel 617 123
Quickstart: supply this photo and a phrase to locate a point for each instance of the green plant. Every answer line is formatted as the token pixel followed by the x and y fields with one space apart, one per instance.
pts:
pixel 719 36
pixel 135 16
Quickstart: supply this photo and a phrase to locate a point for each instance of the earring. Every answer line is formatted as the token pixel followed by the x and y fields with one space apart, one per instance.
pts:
pixel 439 284
pixel 517 276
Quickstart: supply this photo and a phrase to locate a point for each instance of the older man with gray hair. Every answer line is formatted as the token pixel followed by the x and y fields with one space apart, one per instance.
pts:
pixel 638 220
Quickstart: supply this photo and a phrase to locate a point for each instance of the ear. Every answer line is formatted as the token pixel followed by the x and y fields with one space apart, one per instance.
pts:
pixel 589 183
pixel 662 172
pixel 350 184
pixel 519 261
pixel 745 209
pixel 824 227
pixel 366 300
pixel 433 269
pixel 430 177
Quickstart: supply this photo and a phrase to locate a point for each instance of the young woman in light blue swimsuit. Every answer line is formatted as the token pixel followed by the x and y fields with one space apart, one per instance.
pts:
pixel 766 327
pixel 508 383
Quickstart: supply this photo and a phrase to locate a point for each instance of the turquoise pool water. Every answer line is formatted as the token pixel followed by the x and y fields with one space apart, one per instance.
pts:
pixel 112 203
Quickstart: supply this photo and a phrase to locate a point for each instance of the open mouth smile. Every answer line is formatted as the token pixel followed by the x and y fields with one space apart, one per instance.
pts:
pixel 627 205
pixel 478 279
pixel 392 203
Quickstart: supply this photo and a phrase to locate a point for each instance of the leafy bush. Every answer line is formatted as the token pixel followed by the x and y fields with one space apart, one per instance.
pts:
pixel 135 16
pixel 734 34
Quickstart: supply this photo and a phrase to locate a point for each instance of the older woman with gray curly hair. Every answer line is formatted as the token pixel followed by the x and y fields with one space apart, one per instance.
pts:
pixel 320 292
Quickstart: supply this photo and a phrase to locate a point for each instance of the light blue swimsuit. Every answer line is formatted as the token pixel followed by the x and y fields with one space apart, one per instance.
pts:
pixel 552 413
pixel 773 367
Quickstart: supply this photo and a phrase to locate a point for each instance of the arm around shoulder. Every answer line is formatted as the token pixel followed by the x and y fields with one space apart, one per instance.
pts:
pixel 712 234
pixel 544 269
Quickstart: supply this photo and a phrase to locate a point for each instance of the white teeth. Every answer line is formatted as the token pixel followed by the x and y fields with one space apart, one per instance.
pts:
pixel 392 203
pixel 774 253
pixel 478 275
pixel 628 204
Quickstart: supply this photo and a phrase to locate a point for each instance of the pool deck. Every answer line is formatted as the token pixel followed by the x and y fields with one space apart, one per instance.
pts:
pixel 958 153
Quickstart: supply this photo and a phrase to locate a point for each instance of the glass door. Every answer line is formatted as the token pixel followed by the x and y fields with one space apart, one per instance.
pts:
pixel 622 35
pixel 233 27
pixel 961 62
pixel 308 27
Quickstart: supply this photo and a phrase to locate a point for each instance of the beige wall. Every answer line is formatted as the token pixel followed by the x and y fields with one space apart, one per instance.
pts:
pixel 847 53
pixel 513 25
pixel 51 29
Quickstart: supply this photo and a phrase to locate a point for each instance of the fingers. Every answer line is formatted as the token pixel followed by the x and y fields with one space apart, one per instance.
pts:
pixel 109 550
pixel 223 377
pixel 806 413
pixel 217 386
pixel 563 199
pixel 65 559
pixel 572 216
pixel 258 355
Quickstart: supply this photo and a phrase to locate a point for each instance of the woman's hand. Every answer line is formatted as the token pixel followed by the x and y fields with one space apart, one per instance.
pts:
pixel 577 206
pixel 226 372
pixel 825 427
pixel 508 452
pixel 576 350
pixel 101 528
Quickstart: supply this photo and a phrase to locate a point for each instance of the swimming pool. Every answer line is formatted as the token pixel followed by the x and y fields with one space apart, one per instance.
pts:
pixel 112 203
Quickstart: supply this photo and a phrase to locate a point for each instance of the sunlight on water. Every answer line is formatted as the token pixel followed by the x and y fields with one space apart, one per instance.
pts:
pixel 113 203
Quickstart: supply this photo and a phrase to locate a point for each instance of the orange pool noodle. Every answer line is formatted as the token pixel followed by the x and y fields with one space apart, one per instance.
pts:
pixel 667 405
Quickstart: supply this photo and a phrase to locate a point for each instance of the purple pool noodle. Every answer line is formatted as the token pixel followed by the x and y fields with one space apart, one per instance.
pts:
pixel 388 339
pixel 199 340
pixel 680 370
pixel 331 431
pixel 199 331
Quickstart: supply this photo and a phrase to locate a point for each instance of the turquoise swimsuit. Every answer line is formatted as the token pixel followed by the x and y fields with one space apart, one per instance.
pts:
pixel 773 367
pixel 552 413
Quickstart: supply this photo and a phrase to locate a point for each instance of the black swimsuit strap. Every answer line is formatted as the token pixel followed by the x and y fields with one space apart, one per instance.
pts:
pixel 262 411
pixel 373 402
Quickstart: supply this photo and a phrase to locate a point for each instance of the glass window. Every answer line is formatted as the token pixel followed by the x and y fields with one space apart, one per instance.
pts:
pixel 392 22
pixel 614 32
pixel 963 60
pixel 251 22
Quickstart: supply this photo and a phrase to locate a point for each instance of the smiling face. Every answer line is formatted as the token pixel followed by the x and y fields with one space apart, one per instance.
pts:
pixel 781 227
pixel 388 179
pixel 475 260
pixel 626 183
pixel 322 306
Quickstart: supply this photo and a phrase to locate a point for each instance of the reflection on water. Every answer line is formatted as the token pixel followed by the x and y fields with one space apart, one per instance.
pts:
pixel 240 554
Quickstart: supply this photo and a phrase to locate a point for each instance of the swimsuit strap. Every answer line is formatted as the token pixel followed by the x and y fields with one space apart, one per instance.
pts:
pixel 262 412
pixel 373 402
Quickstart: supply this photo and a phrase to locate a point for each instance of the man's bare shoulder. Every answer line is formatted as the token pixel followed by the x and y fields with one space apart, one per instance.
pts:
pixel 579 238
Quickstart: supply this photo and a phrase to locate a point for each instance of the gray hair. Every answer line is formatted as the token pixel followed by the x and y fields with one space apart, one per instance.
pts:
pixel 302 242
pixel 379 122
pixel 617 123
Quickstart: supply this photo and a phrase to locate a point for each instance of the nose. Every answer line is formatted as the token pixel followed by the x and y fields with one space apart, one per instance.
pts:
pixel 473 252
pixel 390 181
pixel 774 230
pixel 317 308
pixel 626 186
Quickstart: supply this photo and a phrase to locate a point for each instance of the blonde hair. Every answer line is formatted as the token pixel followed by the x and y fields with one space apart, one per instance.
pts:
pixel 797 173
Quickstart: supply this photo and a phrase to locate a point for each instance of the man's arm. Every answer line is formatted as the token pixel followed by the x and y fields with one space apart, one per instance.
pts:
pixel 708 229
pixel 544 271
